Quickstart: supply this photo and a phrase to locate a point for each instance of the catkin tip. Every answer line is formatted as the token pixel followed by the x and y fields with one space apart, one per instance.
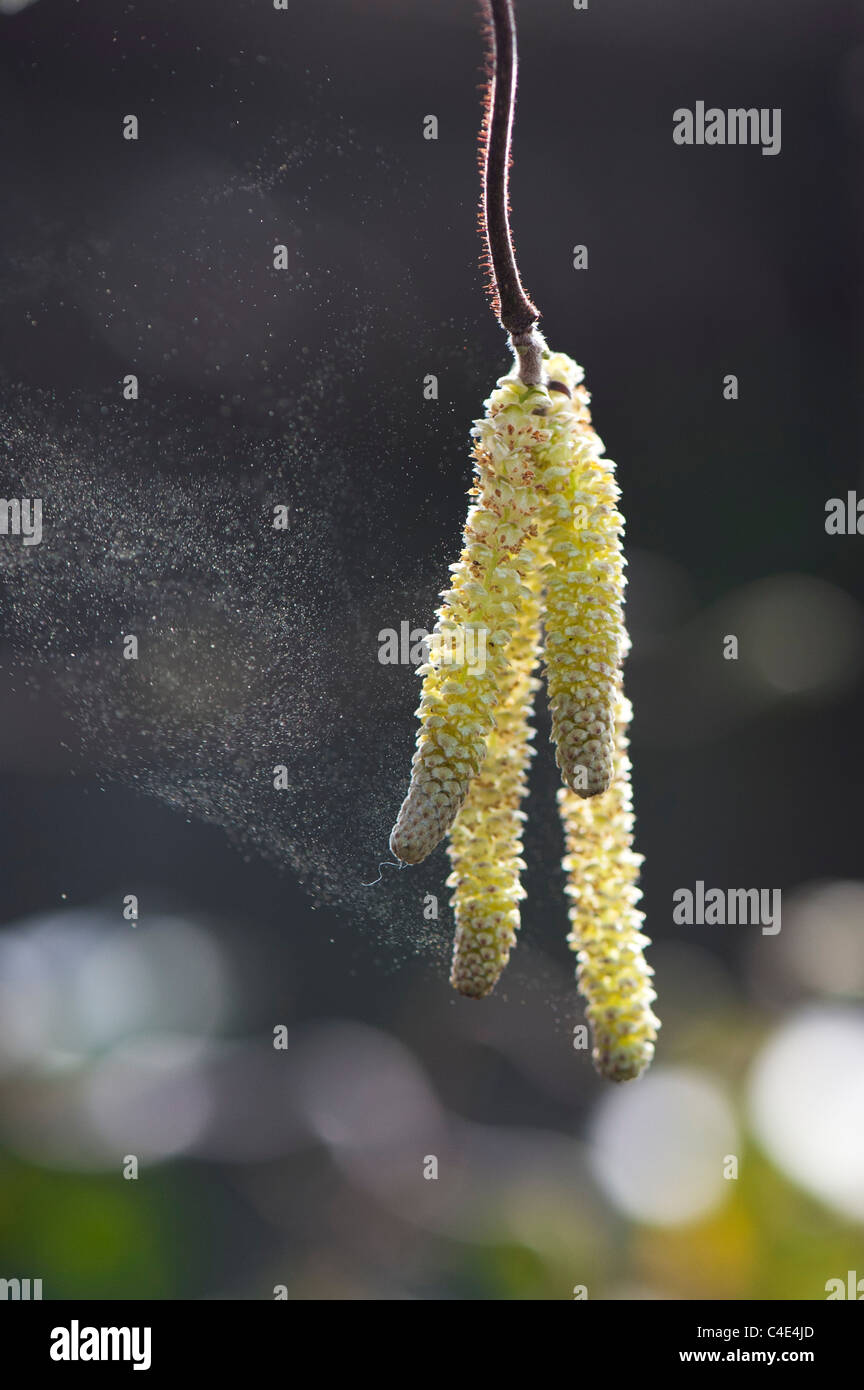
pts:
pixel 470 983
pixel 416 833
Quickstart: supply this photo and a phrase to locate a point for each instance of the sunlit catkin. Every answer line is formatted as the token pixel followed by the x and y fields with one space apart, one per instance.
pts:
pixel 586 640
pixel 541 560
pixel 468 658
pixel 603 872
pixel 485 842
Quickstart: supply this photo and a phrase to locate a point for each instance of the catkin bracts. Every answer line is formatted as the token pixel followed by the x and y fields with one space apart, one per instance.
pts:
pixel 485 842
pixel 469 646
pixel 603 871
pixel 586 640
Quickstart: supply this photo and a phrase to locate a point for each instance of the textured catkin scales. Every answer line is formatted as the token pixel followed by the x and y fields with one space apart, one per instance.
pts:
pixel 462 683
pixel 586 640
pixel 603 872
pixel 485 842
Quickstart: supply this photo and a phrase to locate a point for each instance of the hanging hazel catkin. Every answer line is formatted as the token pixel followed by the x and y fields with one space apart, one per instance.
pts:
pixel 485 840
pixel 586 640
pixel 605 923
pixel 468 657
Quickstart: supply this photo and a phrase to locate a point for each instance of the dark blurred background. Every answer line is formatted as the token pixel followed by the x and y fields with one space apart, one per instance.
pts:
pixel 303 1166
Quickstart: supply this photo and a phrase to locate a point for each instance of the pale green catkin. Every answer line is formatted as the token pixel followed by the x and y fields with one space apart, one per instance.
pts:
pixel 485 840
pixel 603 873
pixel 586 640
pixel 482 605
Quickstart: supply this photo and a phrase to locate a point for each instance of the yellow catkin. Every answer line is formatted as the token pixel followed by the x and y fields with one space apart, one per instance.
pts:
pixel 586 640
pixel 542 549
pixel 603 872
pixel 477 618
pixel 485 843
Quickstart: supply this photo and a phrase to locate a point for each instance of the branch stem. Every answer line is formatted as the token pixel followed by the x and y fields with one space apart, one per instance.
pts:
pixel 516 313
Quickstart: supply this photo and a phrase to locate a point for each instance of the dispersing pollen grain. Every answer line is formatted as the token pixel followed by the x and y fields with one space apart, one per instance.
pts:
pixel 606 925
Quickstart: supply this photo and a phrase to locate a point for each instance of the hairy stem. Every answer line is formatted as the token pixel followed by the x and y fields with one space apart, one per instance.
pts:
pixel 515 311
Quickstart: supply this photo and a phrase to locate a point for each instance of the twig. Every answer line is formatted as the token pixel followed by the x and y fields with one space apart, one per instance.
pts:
pixel 516 313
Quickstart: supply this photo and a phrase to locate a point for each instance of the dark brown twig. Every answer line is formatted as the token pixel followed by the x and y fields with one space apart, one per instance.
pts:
pixel 515 311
